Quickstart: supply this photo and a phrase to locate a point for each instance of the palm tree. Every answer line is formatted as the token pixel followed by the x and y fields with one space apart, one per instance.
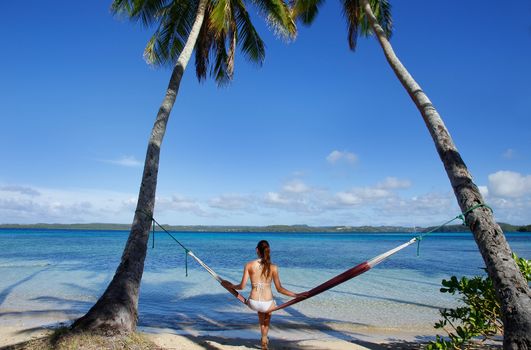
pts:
pixel 366 17
pixel 209 26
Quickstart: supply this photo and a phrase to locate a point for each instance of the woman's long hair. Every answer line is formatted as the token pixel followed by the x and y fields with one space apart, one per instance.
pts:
pixel 265 256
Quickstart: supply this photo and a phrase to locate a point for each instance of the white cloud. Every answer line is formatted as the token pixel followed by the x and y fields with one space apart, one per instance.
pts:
pixel 362 195
pixel 180 203
pixel 509 184
pixel 383 190
pixel 275 198
pixel 378 204
pixel 514 210
pixel 233 202
pixel 429 208
pixel 348 198
pixel 381 203
pixel 484 190
pixel 336 156
pixel 64 206
pixel 392 183
pixel 127 161
pixel 21 190
pixel 299 199
pixel 509 194
pixel 296 186
pixel 508 154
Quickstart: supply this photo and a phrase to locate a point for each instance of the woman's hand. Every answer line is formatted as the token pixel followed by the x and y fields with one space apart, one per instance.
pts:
pixel 303 295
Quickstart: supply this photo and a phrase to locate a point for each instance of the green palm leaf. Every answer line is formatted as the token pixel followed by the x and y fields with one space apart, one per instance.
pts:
pixel 148 11
pixel 251 44
pixel 278 16
pixel 384 17
pixel 218 33
pixel 219 69
pixel 221 15
pixel 203 46
pixel 357 22
pixel 306 10
pixel 226 27
pixel 167 42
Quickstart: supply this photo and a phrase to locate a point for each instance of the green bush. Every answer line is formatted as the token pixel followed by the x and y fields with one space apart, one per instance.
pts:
pixel 479 318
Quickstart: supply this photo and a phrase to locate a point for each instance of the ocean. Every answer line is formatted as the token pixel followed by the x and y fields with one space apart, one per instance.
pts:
pixel 48 276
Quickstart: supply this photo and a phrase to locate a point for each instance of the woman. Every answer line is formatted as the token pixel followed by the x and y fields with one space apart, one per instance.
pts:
pixel 262 272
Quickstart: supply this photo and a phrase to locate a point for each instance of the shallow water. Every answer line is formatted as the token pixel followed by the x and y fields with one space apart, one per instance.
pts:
pixel 50 275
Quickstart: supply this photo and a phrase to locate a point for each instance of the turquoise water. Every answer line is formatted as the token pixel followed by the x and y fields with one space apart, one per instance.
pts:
pixel 56 275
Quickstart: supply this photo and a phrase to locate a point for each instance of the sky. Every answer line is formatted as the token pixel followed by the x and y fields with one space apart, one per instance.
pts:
pixel 317 135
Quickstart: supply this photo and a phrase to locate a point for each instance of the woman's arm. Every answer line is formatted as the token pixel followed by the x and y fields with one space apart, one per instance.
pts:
pixel 242 284
pixel 278 285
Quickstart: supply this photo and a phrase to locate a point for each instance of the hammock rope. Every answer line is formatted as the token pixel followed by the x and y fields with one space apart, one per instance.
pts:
pixel 331 283
pixel 188 252
pixel 461 217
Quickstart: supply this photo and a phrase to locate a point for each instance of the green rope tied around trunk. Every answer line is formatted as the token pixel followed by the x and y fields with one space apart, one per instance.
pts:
pixel 155 222
pixel 475 207
pixel 186 262
pixel 461 216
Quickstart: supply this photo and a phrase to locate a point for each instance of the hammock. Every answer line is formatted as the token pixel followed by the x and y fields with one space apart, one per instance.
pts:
pixel 331 283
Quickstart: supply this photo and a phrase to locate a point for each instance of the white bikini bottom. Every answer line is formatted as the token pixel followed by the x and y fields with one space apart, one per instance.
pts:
pixel 260 306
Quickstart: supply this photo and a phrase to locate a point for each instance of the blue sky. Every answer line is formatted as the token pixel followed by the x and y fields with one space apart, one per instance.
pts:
pixel 318 135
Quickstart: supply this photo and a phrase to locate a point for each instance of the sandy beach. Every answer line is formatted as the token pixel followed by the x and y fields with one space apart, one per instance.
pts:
pixel 284 339
pixel 328 337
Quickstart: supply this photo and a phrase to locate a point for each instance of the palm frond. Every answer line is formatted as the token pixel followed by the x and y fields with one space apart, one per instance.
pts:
pixel 221 30
pixel 150 51
pixel 219 69
pixel 119 7
pixel 278 16
pixel 233 37
pixel 146 11
pixel 383 15
pixel 250 42
pixel 221 15
pixel 226 27
pixel 352 12
pixel 230 28
pixel 203 46
pixel 211 46
pixel 358 24
pixel 167 42
pixel 305 10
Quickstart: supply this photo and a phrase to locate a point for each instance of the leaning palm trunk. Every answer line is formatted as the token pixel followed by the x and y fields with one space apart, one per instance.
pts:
pixel 117 308
pixel 511 287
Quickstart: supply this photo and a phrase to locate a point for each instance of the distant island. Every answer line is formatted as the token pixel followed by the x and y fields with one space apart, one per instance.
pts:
pixel 272 228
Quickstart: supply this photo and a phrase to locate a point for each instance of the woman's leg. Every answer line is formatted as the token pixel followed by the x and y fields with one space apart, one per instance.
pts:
pixel 264 319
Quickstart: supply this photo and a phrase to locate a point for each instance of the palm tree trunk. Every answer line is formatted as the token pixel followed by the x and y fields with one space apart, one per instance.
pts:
pixel 117 309
pixel 511 287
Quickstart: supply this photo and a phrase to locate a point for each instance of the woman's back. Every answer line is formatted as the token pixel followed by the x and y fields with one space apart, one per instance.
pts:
pixel 261 283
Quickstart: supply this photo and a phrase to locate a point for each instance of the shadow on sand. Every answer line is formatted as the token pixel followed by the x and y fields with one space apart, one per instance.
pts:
pixel 201 326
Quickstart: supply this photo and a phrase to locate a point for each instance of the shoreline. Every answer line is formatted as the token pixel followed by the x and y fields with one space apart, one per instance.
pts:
pixel 348 229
